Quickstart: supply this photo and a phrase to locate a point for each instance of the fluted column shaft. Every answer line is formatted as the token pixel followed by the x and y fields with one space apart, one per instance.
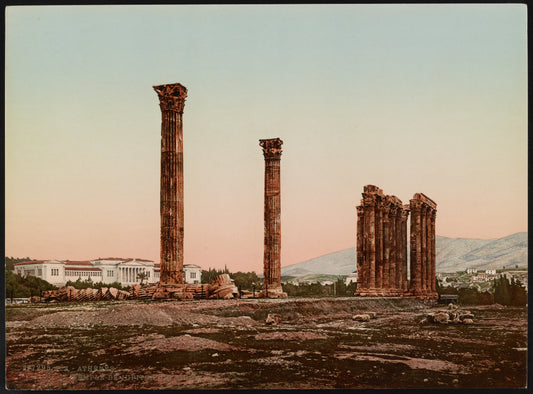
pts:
pixel 416 249
pixel 361 266
pixel 405 216
pixel 433 252
pixel 171 101
pixel 272 215
pixel 379 226
pixel 423 244
pixel 386 248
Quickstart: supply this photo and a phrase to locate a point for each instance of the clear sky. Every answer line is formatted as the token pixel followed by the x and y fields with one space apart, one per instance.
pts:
pixel 411 98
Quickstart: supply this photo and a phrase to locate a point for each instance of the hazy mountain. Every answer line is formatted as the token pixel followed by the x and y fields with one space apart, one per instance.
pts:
pixel 453 254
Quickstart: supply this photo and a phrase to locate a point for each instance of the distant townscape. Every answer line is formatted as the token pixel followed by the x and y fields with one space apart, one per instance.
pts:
pixel 453 255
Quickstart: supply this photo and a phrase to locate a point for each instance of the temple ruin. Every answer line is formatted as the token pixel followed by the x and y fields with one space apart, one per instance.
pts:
pixel 171 101
pixel 382 245
pixel 423 257
pixel 272 248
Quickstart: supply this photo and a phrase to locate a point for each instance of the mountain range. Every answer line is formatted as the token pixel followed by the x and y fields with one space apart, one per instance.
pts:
pixel 453 254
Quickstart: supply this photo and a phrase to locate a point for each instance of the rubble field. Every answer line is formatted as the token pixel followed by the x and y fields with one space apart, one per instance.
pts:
pixel 226 344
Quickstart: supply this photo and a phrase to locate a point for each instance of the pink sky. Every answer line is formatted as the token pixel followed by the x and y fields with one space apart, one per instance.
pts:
pixel 384 95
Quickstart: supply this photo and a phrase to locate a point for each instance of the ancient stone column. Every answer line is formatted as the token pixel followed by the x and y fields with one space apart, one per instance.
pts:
pixel 429 262
pixel 171 101
pixel 385 283
pixel 398 247
pixel 433 255
pixel 370 229
pixel 416 248
pixel 422 261
pixel 423 255
pixel 272 250
pixel 361 266
pixel 405 216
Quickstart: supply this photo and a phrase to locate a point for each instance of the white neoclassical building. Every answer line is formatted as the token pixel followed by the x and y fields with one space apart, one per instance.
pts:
pixel 107 270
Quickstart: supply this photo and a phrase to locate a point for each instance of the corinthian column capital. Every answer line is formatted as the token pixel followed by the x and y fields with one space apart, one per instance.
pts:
pixel 271 148
pixel 171 97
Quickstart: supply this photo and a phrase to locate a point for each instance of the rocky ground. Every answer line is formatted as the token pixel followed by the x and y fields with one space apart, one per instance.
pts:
pixel 222 344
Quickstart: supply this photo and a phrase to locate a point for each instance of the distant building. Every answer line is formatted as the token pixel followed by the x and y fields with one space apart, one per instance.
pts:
pixel 351 278
pixel 490 272
pixel 471 271
pixel 107 270
pixel 192 273
pixel 326 282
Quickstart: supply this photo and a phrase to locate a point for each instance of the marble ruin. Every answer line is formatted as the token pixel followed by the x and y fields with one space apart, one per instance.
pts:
pixel 272 250
pixel 171 101
pixel 423 257
pixel 382 245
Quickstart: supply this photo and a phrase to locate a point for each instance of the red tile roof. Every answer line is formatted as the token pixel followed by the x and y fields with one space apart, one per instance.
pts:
pixel 35 262
pixel 81 269
pixel 78 263
pixel 111 258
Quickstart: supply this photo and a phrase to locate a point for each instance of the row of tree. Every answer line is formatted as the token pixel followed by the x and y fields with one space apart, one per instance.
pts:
pixel 18 286
pixel 338 289
pixel 243 280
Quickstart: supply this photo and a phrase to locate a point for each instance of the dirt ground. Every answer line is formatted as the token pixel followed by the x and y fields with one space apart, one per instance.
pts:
pixel 225 344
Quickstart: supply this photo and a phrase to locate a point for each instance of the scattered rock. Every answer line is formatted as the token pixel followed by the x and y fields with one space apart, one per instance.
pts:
pixel 273 319
pixel 364 317
pixel 468 321
pixel 441 318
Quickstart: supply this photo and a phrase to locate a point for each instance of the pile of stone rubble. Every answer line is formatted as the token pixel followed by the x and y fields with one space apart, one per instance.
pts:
pixel 453 315
pixel 222 287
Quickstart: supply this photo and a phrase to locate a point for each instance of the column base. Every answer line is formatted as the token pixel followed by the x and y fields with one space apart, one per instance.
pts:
pixel 276 292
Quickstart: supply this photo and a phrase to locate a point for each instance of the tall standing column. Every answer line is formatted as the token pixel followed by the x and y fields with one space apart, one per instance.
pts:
pixel 429 263
pixel 405 216
pixel 385 283
pixel 171 101
pixel 416 269
pixel 370 214
pixel 361 265
pixel 272 251
pixel 399 251
pixel 433 255
pixel 423 243
pixel 380 232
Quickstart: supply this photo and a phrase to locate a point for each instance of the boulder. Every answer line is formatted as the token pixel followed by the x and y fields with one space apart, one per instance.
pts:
pixel 441 318
pixel 468 321
pixel 364 317
pixel 273 319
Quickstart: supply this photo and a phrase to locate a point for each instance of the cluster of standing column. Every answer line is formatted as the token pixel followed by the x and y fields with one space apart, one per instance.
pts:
pixel 382 245
pixel 423 257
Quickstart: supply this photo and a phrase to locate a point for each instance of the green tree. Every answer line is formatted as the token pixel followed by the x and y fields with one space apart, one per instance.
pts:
pixel 502 290
pixel 142 276
pixel 212 273
pixel 244 280
pixel 18 286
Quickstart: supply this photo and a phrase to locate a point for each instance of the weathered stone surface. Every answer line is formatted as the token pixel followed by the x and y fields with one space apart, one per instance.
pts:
pixel 273 319
pixel 423 258
pixel 441 317
pixel 272 213
pixel 171 101
pixel 381 265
